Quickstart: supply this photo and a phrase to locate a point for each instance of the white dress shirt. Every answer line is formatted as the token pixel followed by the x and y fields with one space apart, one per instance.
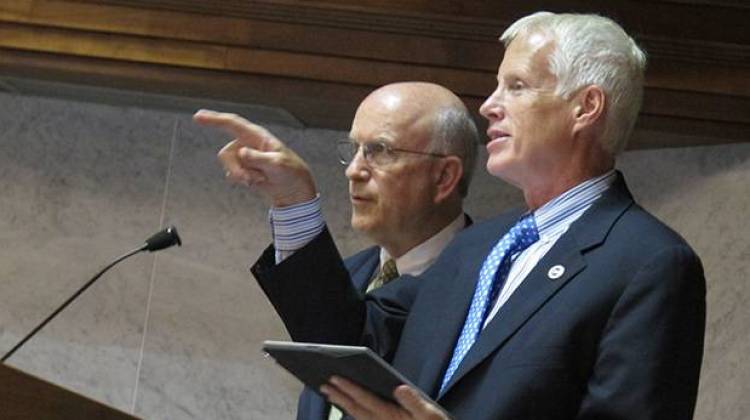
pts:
pixel 419 258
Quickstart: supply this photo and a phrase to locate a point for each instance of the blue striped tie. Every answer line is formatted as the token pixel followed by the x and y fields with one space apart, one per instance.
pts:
pixel 491 278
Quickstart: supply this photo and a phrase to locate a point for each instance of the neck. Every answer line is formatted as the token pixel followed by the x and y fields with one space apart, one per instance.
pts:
pixel 536 195
pixel 428 226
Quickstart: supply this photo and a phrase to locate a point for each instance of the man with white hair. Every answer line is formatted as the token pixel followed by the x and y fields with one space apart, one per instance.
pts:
pixel 580 306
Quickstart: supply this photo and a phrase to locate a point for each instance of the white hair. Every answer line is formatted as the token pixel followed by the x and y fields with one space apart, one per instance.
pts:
pixel 592 50
pixel 454 133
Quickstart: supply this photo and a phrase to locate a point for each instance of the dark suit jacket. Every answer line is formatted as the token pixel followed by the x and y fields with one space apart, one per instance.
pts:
pixel 362 267
pixel 618 336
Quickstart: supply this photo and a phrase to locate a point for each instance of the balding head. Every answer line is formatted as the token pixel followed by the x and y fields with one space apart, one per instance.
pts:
pixel 422 116
pixel 420 145
pixel 413 100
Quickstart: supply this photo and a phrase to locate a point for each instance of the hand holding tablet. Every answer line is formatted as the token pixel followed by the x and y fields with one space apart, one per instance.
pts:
pixel 315 364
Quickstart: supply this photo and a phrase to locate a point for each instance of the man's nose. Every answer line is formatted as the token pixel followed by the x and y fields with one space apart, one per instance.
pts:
pixel 493 107
pixel 357 168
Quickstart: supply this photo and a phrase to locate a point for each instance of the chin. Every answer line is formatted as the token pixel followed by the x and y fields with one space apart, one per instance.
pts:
pixel 497 166
pixel 500 168
pixel 359 224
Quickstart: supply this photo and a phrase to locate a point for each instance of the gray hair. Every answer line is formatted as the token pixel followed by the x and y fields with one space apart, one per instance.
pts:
pixel 593 50
pixel 454 133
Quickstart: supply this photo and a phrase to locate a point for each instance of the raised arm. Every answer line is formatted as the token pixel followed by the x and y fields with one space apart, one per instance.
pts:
pixel 258 159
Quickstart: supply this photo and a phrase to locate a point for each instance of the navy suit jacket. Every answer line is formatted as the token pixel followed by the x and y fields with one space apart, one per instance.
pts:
pixel 362 267
pixel 618 336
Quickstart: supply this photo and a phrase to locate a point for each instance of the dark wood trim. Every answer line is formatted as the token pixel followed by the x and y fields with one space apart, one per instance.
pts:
pixel 318 59
pixel 314 103
pixel 23 396
pixel 328 104
pixel 711 20
pixel 705 33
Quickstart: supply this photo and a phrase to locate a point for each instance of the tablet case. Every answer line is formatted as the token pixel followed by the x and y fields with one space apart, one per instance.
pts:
pixel 314 364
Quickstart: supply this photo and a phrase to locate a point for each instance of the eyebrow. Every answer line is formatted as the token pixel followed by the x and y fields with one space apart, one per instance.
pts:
pixel 375 140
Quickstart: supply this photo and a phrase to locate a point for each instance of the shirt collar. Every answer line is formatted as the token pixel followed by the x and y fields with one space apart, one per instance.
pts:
pixel 556 215
pixel 417 259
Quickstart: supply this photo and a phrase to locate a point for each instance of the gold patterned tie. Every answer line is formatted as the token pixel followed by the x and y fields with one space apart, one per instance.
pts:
pixel 387 273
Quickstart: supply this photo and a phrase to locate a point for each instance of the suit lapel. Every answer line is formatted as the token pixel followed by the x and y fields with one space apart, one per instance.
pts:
pixel 530 296
pixel 538 287
pixel 460 287
pixel 362 267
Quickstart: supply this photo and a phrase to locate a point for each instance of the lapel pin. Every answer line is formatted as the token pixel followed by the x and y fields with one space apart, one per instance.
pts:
pixel 556 272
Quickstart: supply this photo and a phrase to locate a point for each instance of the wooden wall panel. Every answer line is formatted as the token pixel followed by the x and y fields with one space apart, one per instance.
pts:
pixel 699 51
pixel 318 104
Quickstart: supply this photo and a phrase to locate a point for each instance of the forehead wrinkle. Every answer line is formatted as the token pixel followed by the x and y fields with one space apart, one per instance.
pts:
pixel 402 113
pixel 401 124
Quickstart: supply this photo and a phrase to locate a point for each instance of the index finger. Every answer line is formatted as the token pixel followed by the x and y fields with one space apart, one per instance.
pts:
pixel 247 133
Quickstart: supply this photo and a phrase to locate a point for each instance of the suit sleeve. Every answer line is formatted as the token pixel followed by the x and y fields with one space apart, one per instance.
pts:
pixel 650 353
pixel 313 294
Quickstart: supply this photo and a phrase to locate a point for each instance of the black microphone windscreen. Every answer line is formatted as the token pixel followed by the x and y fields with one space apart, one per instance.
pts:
pixel 163 239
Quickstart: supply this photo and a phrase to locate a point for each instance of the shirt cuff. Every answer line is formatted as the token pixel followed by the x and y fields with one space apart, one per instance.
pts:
pixel 295 226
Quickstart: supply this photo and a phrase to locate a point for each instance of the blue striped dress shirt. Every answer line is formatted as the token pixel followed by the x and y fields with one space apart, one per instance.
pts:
pixel 552 220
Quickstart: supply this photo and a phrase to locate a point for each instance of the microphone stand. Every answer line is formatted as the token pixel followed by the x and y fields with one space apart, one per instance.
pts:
pixel 160 240
pixel 67 302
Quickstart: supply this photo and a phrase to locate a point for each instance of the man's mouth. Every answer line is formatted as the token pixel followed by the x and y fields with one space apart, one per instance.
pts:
pixel 496 136
pixel 359 198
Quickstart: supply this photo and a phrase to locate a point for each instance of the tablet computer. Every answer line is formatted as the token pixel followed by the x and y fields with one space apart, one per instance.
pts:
pixel 314 364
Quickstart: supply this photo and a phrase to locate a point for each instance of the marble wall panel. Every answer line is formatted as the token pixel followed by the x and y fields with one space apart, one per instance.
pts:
pixel 704 193
pixel 208 317
pixel 79 185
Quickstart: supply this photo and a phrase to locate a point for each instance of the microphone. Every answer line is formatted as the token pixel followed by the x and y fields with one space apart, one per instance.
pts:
pixel 160 240
pixel 163 239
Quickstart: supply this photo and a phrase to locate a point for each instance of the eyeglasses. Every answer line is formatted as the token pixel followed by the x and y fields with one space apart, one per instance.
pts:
pixel 376 153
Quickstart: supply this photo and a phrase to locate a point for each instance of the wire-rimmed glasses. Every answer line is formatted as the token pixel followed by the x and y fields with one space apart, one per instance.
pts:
pixel 376 153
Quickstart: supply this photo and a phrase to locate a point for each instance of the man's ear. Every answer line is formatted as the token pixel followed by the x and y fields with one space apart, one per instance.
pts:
pixel 589 107
pixel 447 176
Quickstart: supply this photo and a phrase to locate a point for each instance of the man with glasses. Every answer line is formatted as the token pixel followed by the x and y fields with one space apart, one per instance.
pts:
pixel 409 160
